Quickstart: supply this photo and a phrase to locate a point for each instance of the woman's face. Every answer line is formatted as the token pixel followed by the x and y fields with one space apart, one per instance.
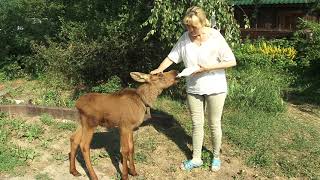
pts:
pixel 195 26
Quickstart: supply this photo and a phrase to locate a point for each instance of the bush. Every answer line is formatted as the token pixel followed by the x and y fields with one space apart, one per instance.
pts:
pixel 257 88
pixel 262 75
pixel 113 84
pixel 307 43
pixel 307 40
pixel 12 70
pixel 263 54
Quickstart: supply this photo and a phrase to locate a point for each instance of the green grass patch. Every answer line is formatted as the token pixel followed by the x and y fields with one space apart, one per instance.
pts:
pixel 49 121
pixel 70 126
pixel 140 157
pixel 43 176
pixel 273 142
pixel 39 93
pixel 12 156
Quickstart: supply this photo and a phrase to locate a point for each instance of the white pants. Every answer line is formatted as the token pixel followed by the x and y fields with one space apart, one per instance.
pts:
pixel 214 105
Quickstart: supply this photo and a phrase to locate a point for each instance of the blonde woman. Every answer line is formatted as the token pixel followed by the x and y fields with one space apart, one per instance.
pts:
pixel 205 51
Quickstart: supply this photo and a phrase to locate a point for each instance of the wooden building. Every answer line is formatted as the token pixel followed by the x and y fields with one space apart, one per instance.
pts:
pixel 273 18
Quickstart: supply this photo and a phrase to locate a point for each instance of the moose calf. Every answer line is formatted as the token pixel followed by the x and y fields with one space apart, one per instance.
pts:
pixel 124 109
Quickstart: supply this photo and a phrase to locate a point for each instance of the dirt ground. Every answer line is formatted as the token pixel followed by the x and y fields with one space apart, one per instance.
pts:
pixel 158 155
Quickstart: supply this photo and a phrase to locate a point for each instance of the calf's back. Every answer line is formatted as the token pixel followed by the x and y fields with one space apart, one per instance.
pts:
pixel 124 108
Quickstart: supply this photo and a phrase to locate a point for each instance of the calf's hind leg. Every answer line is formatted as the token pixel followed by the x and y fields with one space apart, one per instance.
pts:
pixel 74 143
pixel 87 134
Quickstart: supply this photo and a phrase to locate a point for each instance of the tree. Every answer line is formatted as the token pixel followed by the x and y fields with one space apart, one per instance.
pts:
pixel 166 16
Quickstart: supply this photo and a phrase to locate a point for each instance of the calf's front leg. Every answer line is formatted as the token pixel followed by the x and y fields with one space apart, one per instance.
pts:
pixel 124 135
pixel 132 169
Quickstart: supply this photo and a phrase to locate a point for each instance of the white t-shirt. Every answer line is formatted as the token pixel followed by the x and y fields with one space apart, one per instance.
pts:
pixel 214 50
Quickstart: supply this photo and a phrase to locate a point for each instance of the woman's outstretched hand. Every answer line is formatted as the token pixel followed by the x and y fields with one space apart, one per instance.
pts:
pixel 156 71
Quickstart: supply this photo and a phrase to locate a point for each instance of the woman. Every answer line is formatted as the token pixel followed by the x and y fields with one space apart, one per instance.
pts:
pixel 206 51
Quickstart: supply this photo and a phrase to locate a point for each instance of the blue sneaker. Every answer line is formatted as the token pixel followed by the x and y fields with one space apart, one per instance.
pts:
pixel 188 165
pixel 216 165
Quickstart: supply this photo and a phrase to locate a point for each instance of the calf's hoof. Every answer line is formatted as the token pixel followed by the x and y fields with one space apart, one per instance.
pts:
pixel 133 172
pixel 75 173
pixel 124 177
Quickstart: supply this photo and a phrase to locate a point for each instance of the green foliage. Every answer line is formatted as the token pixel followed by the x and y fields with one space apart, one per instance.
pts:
pixel 166 16
pixel 13 70
pixel 12 156
pixel 81 40
pixel 22 22
pixel 113 84
pixel 51 97
pixel 261 158
pixel 278 144
pixel 3 135
pixel 140 157
pixel 206 157
pixel 278 54
pixel 47 119
pixel 263 74
pixel 3 77
pixel 257 88
pixel 90 62
pixel 71 126
pixel 43 176
pixel 54 97
pixel 32 132
pixel 307 43
pixel 86 42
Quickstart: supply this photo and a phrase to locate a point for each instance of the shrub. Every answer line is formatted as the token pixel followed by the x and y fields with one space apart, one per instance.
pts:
pixel 307 40
pixel 264 54
pixel 262 75
pixel 257 88
pixel 113 84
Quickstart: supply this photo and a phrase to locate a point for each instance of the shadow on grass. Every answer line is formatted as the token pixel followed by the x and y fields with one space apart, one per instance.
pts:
pixel 161 121
pixel 167 125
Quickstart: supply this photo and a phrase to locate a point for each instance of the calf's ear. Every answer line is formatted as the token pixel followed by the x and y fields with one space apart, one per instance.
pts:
pixel 140 77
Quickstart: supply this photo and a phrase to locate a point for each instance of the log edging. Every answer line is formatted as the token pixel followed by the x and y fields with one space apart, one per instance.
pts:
pixel 34 110
pixel 56 112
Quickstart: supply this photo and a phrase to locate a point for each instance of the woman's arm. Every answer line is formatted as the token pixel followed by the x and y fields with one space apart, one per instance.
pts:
pixel 164 65
pixel 222 65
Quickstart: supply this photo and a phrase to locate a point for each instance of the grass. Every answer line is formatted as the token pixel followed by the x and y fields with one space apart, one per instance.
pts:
pixel 12 155
pixel 48 120
pixel 43 176
pixel 38 92
pixel 276 143
pixel 12 131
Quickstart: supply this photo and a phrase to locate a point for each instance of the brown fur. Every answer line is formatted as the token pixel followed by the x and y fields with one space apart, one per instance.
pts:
pixel 124 109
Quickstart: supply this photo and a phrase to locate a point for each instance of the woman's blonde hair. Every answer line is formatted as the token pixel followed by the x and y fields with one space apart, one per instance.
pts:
pixel 196 11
